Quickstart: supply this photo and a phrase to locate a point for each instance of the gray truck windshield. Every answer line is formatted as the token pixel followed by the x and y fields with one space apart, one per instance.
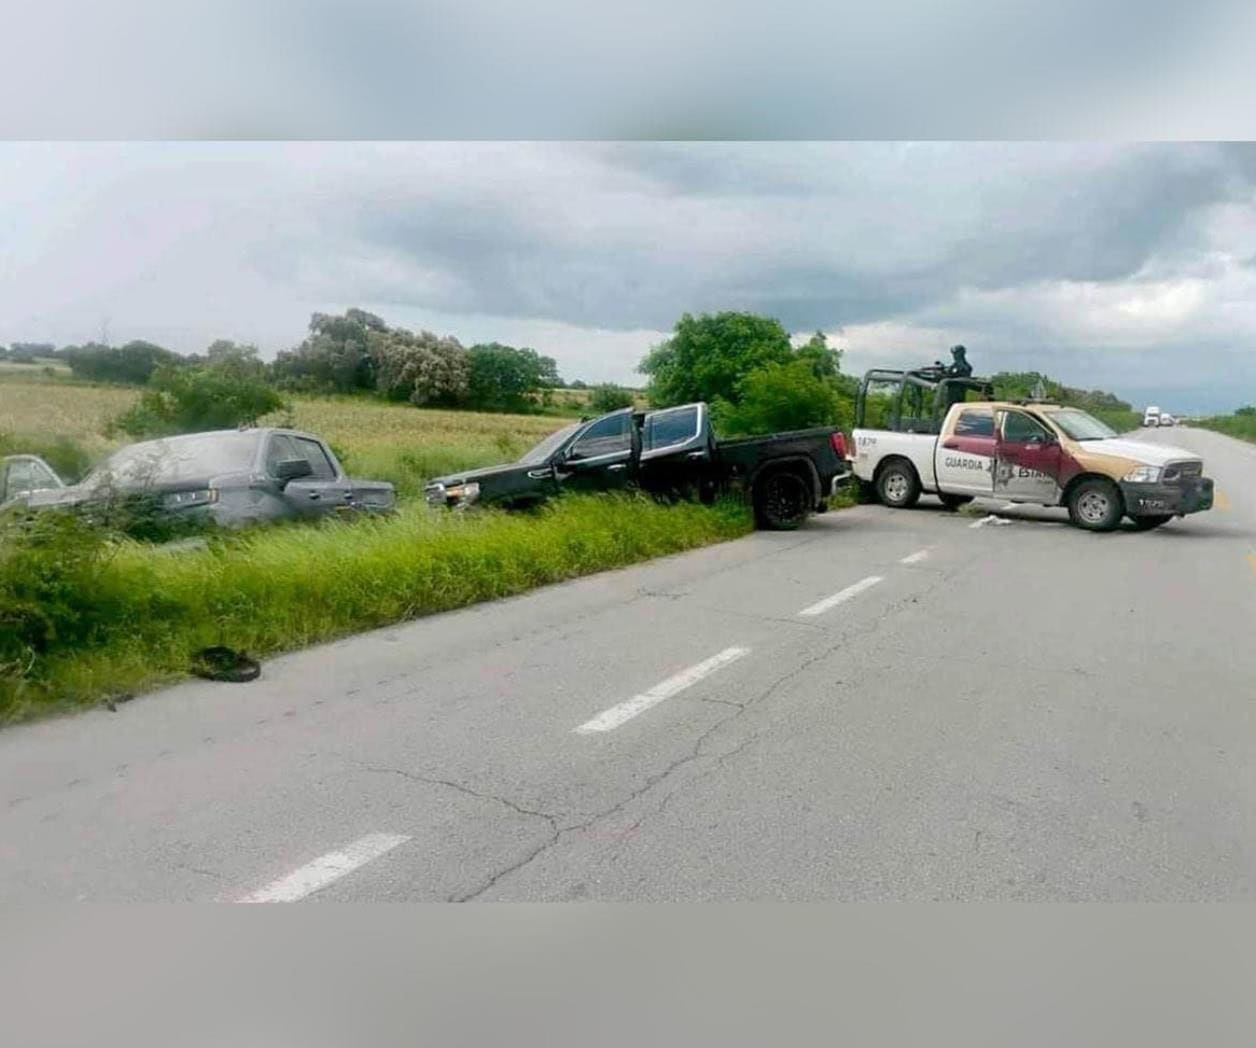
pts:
pixel 177 459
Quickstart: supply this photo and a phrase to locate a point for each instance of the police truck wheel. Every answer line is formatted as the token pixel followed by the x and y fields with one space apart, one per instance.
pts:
pixel 953 502
pixel 1095 505
pixel 898 486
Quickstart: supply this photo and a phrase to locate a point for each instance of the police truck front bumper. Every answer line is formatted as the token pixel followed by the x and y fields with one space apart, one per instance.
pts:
pixel 1193 496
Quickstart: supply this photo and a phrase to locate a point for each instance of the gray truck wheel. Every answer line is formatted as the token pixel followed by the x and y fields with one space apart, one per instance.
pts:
pixel 1095 504
pixel 898 486
pixel 780 501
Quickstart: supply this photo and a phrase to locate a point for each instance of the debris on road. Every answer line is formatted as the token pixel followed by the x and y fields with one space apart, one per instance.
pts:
pixel 225 664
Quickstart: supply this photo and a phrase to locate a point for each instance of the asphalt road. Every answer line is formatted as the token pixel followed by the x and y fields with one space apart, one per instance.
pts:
pixel 969 710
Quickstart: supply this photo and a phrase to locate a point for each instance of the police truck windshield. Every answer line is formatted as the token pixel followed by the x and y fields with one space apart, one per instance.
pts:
pixel 1081 426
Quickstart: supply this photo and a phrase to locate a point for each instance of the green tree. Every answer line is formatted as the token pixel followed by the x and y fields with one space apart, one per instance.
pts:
pixel 708 355
pixel 609 397
pixel 824 361
pixel 779 397
pixel 196 399
pixel 424 369
pixel 503 378
pixel 131 364
pixel 237 358
pixel 334 357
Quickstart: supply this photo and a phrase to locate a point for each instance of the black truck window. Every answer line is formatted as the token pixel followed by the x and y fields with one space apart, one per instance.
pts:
pixel 608 436
pixel 666 429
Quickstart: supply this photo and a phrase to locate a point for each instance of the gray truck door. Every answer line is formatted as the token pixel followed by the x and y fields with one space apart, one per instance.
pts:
pixel 323 491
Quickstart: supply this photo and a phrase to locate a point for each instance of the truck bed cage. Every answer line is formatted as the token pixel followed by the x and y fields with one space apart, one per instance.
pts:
pixel 922 399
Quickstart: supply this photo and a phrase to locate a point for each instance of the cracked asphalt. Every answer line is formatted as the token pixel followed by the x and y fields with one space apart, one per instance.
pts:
pixel 1028 712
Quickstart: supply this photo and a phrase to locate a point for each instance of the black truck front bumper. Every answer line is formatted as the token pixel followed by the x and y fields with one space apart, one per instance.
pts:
pixel 1149 500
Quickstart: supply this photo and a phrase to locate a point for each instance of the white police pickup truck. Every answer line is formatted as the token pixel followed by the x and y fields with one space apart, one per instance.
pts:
pixel 1029 452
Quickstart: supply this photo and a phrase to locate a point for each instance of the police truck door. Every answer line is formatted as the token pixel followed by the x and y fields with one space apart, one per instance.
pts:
pixel 964 459
pixel 1028 459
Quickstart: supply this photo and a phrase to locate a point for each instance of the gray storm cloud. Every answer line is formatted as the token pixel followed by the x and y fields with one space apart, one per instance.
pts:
pixel 1112 265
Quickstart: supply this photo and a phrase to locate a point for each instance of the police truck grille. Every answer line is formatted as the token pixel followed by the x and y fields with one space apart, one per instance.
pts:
pixel 1182 472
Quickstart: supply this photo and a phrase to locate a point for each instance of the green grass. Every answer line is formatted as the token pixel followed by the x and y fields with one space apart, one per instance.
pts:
pixel 1241 426
pixel 374 438
pixel 276 589
pixel 1121 421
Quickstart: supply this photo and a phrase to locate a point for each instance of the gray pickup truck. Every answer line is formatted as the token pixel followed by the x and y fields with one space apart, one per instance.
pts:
pixel 231 477
pixel 673 451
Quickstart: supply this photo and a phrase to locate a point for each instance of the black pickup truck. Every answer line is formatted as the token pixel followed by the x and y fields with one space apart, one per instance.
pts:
pixel 673 453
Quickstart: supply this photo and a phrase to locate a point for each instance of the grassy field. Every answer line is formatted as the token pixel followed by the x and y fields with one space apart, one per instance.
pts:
pixel 394 442
pixel 111 617
pixel 1241 426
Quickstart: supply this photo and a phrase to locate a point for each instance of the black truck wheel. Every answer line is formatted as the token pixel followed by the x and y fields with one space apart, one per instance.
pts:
pixel 781 501
pixel 953 502
pixel 898 486
pixel 1095 504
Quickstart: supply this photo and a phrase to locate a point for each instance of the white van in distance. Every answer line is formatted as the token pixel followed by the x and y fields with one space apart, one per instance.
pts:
pixel 1151 417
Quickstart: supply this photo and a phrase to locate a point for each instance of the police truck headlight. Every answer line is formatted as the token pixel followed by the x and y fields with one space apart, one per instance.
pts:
pixel 1143 475
pixel 463 492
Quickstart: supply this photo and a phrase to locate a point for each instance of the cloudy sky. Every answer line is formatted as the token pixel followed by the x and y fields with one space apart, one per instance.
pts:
pixel 1127 267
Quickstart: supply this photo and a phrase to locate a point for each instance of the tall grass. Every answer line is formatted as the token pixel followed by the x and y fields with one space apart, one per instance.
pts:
pixel 375 439
pixel 1241 426
pixel 280 588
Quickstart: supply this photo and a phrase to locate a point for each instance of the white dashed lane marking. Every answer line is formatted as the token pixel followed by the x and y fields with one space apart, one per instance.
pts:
pixel 326 869
pixel 915 558
pixel 821 606
pixel 638 704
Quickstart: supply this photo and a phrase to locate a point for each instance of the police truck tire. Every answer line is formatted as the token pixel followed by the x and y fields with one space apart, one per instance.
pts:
pixel 1095 505
pixel 898 486
pixel 953 502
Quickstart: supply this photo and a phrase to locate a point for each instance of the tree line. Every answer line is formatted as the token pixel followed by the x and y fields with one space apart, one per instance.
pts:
pixel 754 375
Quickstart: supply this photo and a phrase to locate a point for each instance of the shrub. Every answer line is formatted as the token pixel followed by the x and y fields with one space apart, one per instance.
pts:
pixel 503 378
pixel 192 400
pixel 707 356
pixel 133 364
pixel 119 617
pixel 70 460
pixel 424 369
pixel 334 358
pixel 608 397
pixel 779 397
pixel 56 593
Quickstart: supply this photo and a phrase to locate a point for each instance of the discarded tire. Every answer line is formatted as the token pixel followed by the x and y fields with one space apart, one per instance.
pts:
pixel 220 663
